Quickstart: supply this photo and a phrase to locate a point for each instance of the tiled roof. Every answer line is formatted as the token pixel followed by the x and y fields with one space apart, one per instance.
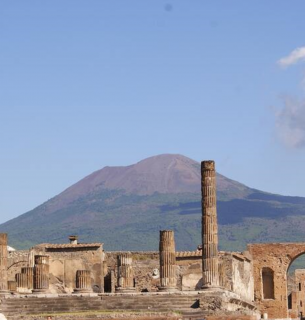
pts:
pixel 69 245
pixel 182 254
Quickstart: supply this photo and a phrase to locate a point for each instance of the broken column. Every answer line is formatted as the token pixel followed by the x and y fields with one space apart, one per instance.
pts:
pixel 83 281
pixel 3 263
pixel 41 273
pixel 125 273
pixel 167 261
pixel 24 280
pixel 210 274
pixel 29 275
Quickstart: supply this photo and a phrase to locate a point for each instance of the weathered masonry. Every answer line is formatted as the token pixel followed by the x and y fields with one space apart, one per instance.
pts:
pixel 270 265
pixel 210 278
pixel 234 284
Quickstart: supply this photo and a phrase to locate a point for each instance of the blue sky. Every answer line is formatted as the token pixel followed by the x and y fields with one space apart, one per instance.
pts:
pixel 85 84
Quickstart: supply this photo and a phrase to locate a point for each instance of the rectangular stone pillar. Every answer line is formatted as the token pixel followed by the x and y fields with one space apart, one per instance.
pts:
pixel 210 275
pixel 167 253
pixel 3 264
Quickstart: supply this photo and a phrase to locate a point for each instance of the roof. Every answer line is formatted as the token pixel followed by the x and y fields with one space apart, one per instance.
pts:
pixel 69 245
pixel 182 254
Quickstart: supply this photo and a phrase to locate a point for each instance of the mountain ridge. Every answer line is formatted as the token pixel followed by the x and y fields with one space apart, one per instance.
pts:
pixel 136 201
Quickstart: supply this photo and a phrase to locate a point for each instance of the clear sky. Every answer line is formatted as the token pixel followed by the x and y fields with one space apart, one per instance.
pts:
pixel 85 84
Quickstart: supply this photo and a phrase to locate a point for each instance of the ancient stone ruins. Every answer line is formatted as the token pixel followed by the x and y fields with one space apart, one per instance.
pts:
pixel 82 281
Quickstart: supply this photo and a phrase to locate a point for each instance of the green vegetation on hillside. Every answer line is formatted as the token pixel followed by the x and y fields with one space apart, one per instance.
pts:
pixel 132 222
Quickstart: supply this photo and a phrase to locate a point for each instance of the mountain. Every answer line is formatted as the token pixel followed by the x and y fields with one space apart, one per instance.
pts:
pixel 125 207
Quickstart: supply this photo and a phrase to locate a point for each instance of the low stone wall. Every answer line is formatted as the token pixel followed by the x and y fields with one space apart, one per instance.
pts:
pixel 112 316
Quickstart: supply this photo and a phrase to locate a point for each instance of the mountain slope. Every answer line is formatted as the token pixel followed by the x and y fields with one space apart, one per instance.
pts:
pixel 125 207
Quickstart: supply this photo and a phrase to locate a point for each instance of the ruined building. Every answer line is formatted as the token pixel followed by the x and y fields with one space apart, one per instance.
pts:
pixel 82 277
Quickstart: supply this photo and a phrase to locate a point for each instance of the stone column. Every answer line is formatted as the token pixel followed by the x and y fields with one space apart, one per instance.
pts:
pixel 112 280
pixel 41 273
pixel 83 281
pixel 125 273
pixel 24 280
pixel 3 263
pixel 21 282
pixel 209 226
pixel 29 275
pixel 167 252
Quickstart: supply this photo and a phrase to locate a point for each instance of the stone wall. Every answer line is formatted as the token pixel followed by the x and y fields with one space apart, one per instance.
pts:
pixel 144 265
pixel 270 265
pixel 296 294
pixel 17 260
pixel 65 260
pixel 235 271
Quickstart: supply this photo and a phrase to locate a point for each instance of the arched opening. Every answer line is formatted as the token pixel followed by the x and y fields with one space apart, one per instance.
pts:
pixel 268 283
pixel 296 287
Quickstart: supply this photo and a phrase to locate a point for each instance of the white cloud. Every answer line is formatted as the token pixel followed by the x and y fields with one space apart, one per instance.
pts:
pixel 294 57
pixel 290 123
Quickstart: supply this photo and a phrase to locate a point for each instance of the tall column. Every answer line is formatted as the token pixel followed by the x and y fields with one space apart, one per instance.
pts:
pixel 83 281
pixel 41 273
pixel 167 252
pixel 125 273
pixel 3 263
pixel 209 226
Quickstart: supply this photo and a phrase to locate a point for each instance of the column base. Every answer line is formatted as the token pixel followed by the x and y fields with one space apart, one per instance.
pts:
pixel 212 288
pixel 40 291
pixel 167 289
pixel 125 290
pixel 24 290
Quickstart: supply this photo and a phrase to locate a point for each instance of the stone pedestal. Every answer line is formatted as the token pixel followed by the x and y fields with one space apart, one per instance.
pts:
pixel 209 226
pixel 125 274
pixel 3 264
pixel 167 251
pixel 12 286
pixel 41 274
pixel 83 281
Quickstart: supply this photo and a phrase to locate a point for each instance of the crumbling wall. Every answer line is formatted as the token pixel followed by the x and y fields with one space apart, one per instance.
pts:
pixel 145 265
pixel 277 257
pixel 16 260
pixel 65 260
pixel 235 271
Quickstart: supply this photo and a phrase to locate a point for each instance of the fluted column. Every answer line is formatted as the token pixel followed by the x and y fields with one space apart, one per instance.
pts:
pixel 209 226
pixel 41 273
pixel 167 252
pixel 29 275
pixel 24 280
pixel 83 281
pixel 125 273
pixel 3 263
